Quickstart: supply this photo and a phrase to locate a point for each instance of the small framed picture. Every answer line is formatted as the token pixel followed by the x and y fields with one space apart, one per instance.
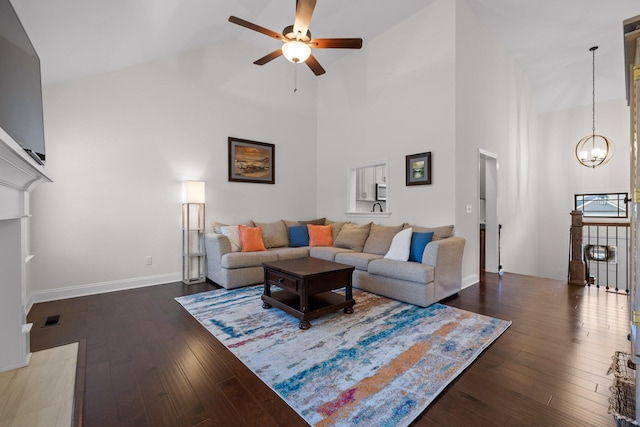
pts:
pixel 252 161
pixel 419 169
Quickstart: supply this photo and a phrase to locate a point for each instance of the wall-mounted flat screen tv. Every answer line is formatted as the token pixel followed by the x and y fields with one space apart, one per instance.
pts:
pixel 20 85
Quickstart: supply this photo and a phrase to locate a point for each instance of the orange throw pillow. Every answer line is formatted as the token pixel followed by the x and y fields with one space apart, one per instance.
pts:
pixel 320 235
pixel 251 239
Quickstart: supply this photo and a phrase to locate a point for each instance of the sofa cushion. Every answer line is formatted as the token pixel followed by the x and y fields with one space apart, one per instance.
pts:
pixel 319 235
pixel 274 234
pixel 231 231
pixel 400 246
pixel 352 236
pixel 418 242
pixel 247 259
pixel 218 225
pixel 336 226
pixel 291 253
pixel 438 232
pixel 318 221
pixel 326 252
pixel 360 260
pixel 379 240
pixel 251 239
pixel 298 236
pixel 410 271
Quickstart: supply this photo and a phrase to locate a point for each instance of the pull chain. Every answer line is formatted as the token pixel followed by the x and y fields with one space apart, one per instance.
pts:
pixel 295 78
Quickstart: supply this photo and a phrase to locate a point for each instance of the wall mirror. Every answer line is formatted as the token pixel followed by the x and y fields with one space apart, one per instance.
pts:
pixel 369 189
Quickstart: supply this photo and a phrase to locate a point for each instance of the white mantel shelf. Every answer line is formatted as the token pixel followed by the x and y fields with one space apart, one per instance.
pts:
pixel 18 170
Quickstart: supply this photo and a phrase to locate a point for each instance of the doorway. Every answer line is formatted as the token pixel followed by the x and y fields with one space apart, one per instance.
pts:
pixel 489 228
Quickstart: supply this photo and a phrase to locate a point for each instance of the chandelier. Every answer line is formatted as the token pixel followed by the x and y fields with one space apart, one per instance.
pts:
pixel 594 150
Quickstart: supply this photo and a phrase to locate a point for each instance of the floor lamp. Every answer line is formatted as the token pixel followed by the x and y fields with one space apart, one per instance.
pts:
pixel 193 252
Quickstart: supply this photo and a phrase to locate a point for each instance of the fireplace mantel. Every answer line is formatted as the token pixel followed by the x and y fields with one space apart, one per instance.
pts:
pixel 18 171
pixel 19 175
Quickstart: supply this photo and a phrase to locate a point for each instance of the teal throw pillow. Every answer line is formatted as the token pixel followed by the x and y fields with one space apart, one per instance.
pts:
pixel 418 242
pixel 298 236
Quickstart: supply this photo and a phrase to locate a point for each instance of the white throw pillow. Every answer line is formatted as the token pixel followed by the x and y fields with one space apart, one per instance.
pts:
pixel 400 246
pixel 231 231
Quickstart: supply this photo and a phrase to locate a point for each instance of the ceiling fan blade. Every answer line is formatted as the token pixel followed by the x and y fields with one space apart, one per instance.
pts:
pixel 315 66
pixel 304 10
pixel 336 43
pixel 254 27
pixel 270 57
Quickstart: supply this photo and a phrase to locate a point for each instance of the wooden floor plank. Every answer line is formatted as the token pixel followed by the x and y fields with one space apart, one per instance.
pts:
pixel 148 362
pixel 186 402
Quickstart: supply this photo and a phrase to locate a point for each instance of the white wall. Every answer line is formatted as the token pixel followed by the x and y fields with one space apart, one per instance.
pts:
pixel 120 144
pixel 437 82
pixel 494 112
pixel 391 99
pixel 563 176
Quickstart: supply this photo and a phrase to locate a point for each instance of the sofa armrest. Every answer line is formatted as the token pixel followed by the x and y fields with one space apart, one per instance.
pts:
pixel 216 245
pixel 445 256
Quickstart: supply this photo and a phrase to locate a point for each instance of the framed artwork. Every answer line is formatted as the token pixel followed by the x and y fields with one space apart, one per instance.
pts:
pixel 419 169
pixel 252 161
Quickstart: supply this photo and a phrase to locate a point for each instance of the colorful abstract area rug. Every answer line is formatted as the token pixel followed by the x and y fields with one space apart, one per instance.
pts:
pixel 381 365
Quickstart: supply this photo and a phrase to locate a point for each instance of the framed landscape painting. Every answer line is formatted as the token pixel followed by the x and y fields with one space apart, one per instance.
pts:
pixel 419 169
pixel 251 161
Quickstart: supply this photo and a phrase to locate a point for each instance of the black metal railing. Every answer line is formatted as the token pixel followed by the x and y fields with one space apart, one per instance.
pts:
pixel 606 254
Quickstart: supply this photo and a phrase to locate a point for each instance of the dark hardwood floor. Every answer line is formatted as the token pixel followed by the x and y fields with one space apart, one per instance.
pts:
pixel 149 363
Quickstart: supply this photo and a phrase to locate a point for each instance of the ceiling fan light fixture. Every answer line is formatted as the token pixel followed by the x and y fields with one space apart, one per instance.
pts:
pixel 296 51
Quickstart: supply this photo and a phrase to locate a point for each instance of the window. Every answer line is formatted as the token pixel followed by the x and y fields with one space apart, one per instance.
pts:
pixel 608 205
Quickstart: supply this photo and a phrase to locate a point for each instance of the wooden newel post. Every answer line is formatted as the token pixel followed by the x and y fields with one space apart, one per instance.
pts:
pixel 576 265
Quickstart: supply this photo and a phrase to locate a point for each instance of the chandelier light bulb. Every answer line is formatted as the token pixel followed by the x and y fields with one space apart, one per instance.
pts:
pixel 598 154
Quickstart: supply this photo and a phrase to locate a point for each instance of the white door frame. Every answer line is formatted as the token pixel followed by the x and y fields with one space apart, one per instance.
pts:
pixel 492 233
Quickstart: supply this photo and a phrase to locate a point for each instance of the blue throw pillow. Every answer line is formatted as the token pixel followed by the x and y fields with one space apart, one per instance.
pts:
pixel 298 236
pixel 418 242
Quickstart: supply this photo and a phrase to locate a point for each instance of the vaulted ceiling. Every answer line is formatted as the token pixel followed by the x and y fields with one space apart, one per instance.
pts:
pixel 550 39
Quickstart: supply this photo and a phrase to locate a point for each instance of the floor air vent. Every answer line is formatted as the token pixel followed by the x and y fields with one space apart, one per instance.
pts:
pixel 52 321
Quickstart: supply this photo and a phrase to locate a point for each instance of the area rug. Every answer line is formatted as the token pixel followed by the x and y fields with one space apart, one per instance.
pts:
pixel 381 365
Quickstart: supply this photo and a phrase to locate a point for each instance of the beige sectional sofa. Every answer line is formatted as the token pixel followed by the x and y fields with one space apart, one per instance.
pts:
pixel 437 276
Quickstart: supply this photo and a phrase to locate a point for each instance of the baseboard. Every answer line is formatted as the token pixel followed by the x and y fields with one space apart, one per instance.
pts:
pixel 24 364
pixel 99 288
pixel 470 280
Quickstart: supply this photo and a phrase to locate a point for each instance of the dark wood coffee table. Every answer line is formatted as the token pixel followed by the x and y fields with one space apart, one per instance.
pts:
pixel 307 285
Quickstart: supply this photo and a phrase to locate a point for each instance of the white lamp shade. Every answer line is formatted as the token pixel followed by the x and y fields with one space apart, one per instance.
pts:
pixel 193 192
pixel 296 51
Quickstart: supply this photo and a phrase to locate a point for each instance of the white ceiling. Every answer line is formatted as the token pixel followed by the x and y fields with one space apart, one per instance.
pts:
pixel 550 39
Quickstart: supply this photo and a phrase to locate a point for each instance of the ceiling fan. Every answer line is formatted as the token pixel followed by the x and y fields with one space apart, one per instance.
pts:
pixel 296 39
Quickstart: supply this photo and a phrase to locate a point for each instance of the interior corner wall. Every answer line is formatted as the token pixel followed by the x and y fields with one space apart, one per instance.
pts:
pixel 393 98
pixel 564 177
pixel 494 112
pixel 120 144
pixel 463 94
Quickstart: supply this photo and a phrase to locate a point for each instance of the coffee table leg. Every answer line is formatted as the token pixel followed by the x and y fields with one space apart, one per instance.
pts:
pixel 348 295
pixel 267 291
pixel 304 324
